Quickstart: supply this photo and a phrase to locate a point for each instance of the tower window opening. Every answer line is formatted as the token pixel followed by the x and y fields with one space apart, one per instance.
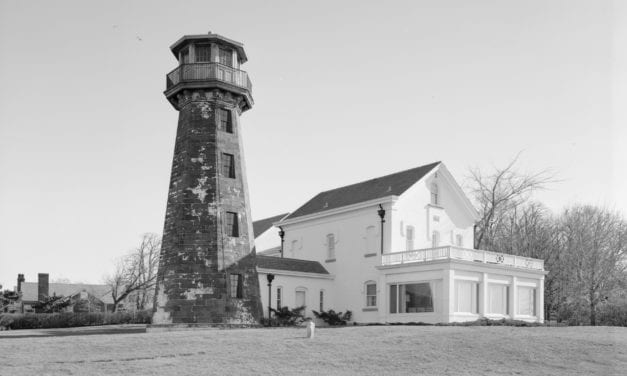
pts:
pixel 236 286
pixel 232 225
pixel 224 120
pixel 228 165
pixel 185 56
pixel 226 57
pixel 203 53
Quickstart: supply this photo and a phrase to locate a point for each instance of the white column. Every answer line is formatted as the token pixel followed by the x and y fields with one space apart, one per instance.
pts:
pixel 540 300
pixel 514 298
pixel 383 301
pixel 449 294
pixel 483 296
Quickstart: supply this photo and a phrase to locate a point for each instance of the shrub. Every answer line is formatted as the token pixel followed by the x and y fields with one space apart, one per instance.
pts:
pixel 334 318
pixel 285 317
pixel 71 319
pixel 612 314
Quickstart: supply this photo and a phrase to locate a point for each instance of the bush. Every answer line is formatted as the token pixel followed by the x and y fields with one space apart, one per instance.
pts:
pixel 334 318
pixel 612 314
pixel 488 322
pixel 71 319
pixel 285 317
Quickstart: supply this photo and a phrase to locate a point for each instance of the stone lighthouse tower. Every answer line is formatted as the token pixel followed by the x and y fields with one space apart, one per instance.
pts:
pixel 207 272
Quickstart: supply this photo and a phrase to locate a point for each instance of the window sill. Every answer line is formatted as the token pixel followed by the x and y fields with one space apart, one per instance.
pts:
pixel 370 309
pixel 370 255
pixel 330 260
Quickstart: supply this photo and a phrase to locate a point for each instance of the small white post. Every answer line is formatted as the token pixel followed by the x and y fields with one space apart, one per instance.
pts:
pixel 311 327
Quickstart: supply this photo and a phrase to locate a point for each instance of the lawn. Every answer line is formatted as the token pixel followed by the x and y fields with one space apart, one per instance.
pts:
pixel 375 350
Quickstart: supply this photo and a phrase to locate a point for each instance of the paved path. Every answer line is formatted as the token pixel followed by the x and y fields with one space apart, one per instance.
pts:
pixel 79 331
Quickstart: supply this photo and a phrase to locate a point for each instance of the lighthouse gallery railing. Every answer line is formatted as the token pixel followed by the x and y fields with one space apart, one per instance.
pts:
pixel 208 71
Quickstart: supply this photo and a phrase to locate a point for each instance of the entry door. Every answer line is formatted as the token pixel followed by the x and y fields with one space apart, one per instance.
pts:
pixel 300 299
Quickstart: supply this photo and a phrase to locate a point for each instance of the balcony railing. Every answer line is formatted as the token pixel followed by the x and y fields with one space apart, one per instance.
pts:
pixel 457 253
pixel 208 71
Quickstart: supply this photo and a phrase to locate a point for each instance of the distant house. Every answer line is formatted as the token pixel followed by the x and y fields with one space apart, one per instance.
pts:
pixel 83 297
pixel 398 248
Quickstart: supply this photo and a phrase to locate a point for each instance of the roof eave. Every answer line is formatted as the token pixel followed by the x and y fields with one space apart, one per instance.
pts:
pixel 342 209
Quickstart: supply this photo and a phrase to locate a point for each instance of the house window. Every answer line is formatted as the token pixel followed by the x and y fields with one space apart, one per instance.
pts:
pixel 435 239
pixel 459 240
pixel 371 241
pixel 300 298
pixel 236 285
pixel 434 194
pixel 411 298
pixel 226 57
pixel 232 225
pixel 228 165
pixel 293 247
pixel 330 246
pixel 498 299
pixel 203 53
pixel 466 296
pixel 409 238
pixel 371 294
pixel 526 301
pixel 321 300
pixel 224 120
pixel 279 293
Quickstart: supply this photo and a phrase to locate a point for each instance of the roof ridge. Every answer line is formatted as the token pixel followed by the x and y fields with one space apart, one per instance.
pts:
pixel 381 177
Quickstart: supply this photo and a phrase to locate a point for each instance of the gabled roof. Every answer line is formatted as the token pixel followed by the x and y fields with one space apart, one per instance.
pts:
pixel 102 292
pixel 389 185
pixel 262 225
pixel 289 264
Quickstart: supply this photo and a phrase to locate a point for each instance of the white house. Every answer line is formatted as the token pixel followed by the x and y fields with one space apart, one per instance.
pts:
pixel 398 248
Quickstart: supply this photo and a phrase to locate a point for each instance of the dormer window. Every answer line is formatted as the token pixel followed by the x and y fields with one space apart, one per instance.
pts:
pixel 434 194
pixel 226 57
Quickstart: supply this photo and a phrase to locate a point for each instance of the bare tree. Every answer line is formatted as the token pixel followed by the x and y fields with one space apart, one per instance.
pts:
pixel 595 242
pixel 135 274
pixel 498 194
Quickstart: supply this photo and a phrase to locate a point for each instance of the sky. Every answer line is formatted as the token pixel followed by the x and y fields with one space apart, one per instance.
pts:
pixel 344 92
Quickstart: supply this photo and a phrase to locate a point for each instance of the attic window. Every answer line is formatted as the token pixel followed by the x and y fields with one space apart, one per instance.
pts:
pixel 434 194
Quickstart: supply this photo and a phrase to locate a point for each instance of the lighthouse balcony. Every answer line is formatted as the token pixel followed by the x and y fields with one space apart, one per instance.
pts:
pixel 208 75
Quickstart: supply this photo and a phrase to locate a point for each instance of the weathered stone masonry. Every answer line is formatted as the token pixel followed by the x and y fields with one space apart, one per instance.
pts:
pixel 198 256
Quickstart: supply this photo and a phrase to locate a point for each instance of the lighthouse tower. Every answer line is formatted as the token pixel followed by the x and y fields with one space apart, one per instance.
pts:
pixel 207 271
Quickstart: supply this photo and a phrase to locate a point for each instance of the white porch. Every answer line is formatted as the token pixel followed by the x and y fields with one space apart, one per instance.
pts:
pixel 452 284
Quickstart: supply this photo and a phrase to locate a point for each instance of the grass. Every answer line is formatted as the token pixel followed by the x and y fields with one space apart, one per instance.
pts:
pixel 376 350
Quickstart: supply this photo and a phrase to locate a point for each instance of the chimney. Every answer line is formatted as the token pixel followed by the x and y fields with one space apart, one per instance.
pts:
pixel 20 279
pixel 42 286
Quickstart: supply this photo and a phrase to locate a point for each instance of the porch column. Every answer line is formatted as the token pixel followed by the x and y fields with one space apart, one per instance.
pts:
pixel 514 298
pixel 483 295
pixel 383 303
pixel 448 286
pixel 540 301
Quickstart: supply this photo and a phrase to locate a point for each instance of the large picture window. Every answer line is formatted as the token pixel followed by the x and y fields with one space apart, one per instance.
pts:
pixel 527 301
pixel 498 299
pixel 466 296
pixel 411 298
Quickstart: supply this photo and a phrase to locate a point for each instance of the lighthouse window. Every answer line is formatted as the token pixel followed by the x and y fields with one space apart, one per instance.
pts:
pixel 185 56
pixel 232 225
pixel 203 53
pixel 224 120
pixel 236 286
pixel 228 165
pixel 226 57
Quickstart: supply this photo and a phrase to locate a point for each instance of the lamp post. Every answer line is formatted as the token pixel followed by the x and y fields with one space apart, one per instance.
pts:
pixel 282 235
pixel 270 278
pixel 381 213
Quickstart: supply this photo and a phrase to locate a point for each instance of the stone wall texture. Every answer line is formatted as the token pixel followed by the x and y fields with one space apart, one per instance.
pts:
pixel 198 256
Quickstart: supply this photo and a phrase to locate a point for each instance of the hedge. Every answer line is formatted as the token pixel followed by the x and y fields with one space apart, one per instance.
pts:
pixel 71 319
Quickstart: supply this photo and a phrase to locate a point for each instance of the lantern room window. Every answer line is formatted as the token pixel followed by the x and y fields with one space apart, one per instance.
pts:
pixel 203 53
pixel 226 57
